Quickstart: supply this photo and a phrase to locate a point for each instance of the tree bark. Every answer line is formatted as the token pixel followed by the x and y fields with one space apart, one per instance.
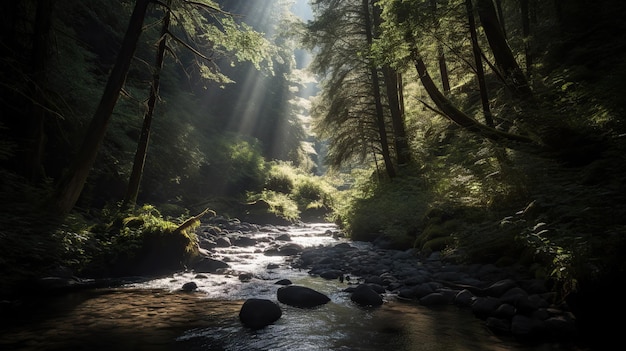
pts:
pixel 71 185
pixel 525 13
pixel 394 90
pixel 396 104
pixel 480 73
pixel 501 51
pixel 441 57
pixel 142 147
pixel 501 17
pixel 380 116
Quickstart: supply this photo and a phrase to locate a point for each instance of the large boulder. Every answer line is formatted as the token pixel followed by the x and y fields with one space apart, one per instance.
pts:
pixel 302 297
pixel 259 313
pixel 209 265
pixel 365 295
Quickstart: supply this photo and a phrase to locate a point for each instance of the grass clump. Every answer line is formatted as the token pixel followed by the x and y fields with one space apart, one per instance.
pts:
pixel 293 194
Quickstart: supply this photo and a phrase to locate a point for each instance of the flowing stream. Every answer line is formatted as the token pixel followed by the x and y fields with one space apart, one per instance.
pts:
pixel 157 315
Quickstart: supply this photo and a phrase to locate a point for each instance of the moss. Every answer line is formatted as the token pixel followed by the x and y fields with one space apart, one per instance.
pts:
pixel 437 244
pixel 143 242
pixel 436 230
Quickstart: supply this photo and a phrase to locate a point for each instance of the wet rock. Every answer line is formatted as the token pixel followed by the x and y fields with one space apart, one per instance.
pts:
pixel 245 277
pixel 284 282
pixel 302 297
pixel 364 295
pixel 331 274
pixel 210 265
pixel 283 237
pixel 190 286
pixel 434 299
pixel 244 241
pixel 259 313
pixel 290 249
pixel 223 242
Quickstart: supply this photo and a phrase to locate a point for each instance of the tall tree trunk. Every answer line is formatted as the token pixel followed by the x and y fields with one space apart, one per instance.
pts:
pixel 525 13
pixel 71 185
pixel 380 116
pixel 501 17
pixel 392 84
pixel 501 51
pixel 441 57
pixel 480 73
pixel 395 100
pixel 39 56
pixel 142 147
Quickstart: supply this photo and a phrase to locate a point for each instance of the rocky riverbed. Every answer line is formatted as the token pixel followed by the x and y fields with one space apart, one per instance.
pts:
pixel 506 300
pixel 361 286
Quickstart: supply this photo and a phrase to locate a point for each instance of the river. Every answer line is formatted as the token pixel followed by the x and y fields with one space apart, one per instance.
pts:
pixel 156 315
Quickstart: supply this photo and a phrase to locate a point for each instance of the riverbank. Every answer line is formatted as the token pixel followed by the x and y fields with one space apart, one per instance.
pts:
pixel 247 260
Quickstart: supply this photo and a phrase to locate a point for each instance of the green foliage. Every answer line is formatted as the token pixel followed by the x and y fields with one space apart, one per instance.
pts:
pixel 142 241
pixel 392 210
pixel 291 192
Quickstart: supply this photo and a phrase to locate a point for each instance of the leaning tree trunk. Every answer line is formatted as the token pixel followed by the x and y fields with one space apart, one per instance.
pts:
pixel 480 73
pixel 142 147
pixel 501 51
pixel 448 110
pixel 71 185
pixel 380 116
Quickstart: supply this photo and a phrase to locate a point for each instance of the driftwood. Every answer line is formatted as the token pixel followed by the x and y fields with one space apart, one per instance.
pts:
pixel 192 221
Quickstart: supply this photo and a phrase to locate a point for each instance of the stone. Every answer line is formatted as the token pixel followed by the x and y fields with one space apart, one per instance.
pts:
pixel 364 295
pixel 290 249
pixel 244 241
pixel 434 299
pixel 484 307
pixel 209 265
pixel 189 286
pixel 498 289
pixel 301 296
pixel 331 274
pixel 464 298
pixel 283 237
pixel 223 242
pixel 259 313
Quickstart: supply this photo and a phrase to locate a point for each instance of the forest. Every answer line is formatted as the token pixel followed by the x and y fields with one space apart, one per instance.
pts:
pixel 488 130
